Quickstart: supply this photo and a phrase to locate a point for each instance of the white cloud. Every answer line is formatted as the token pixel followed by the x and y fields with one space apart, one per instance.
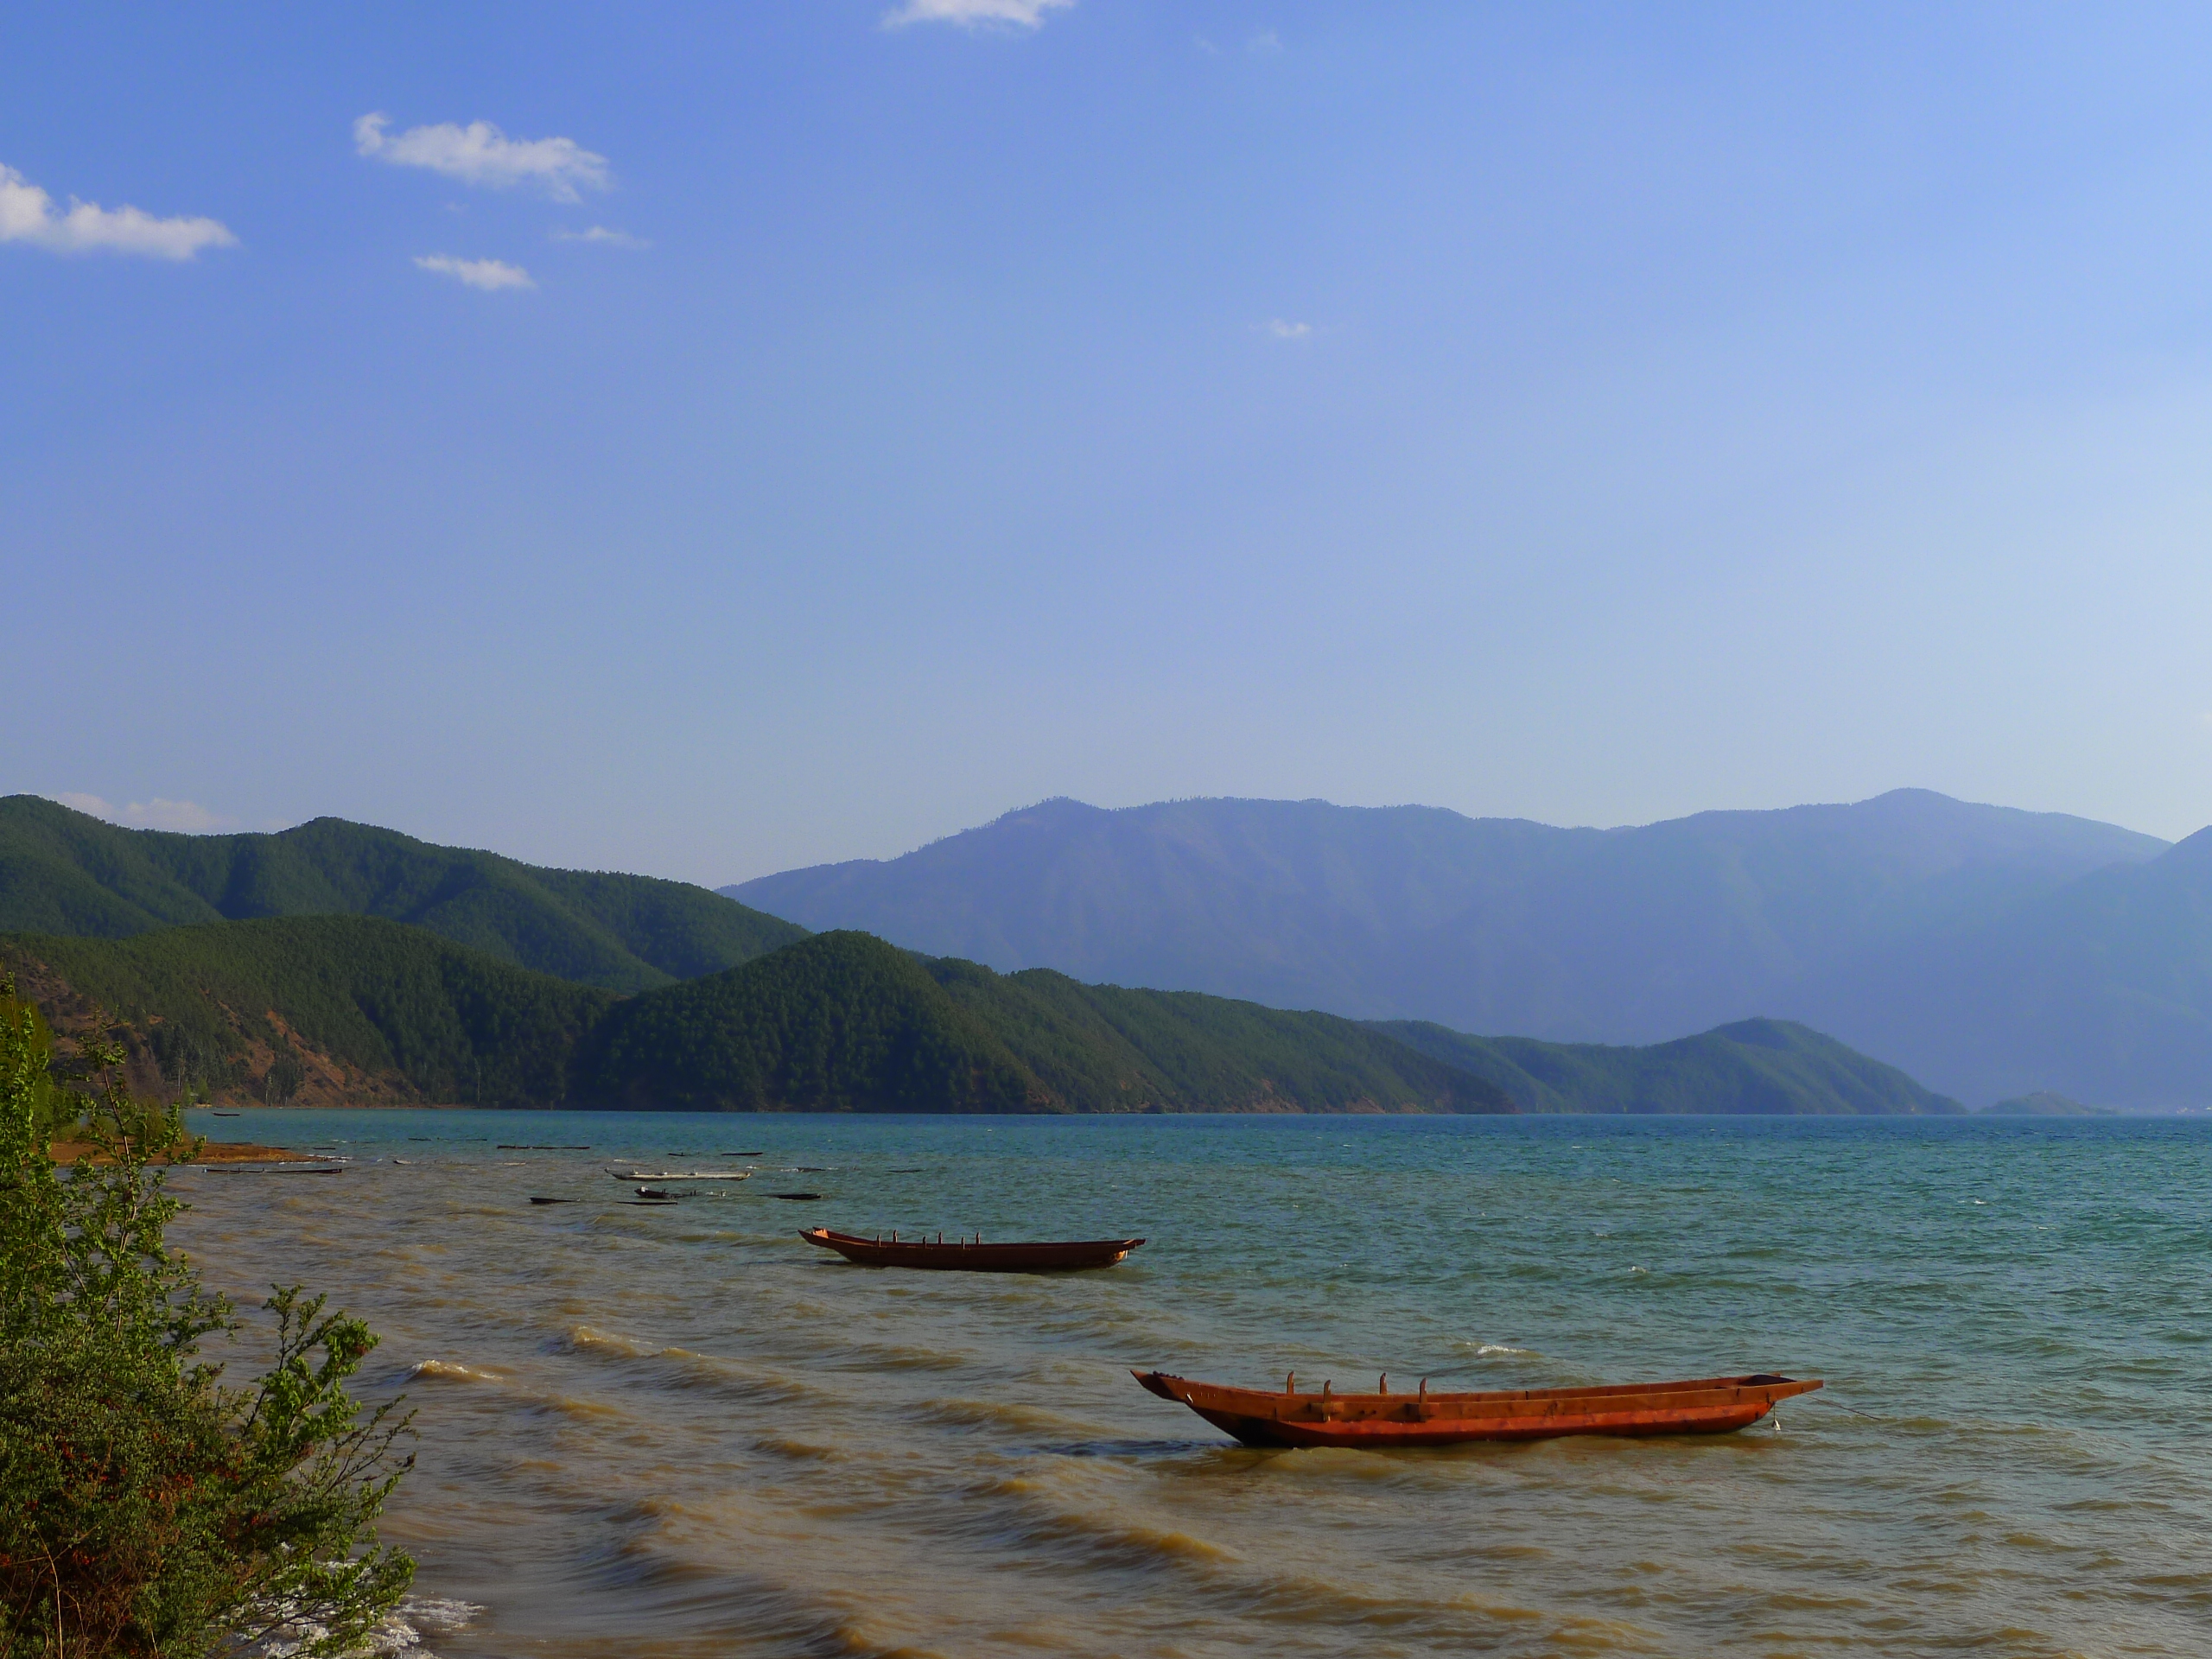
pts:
pixel 1276 328
pixel 973 14
pixel 600 234
pixel 480 154
pixel 1267 40
pixel 156 814
pixel 28 214
pixel 490 275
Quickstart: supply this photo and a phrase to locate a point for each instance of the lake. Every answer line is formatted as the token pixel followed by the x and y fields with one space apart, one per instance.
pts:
pixel 682 1431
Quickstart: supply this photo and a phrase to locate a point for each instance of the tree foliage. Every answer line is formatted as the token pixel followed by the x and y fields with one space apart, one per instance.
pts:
pixel 453 1024
pixel 62 872
pixel 146 1507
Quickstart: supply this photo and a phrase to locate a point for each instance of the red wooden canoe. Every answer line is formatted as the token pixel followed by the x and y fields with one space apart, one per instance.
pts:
pixel 972 1257
pixel 1710 1405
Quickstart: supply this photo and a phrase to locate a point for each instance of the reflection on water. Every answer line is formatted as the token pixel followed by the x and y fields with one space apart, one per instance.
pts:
pixel 679 1430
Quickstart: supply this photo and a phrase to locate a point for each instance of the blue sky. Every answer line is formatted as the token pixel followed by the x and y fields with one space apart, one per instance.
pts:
pixel 792 432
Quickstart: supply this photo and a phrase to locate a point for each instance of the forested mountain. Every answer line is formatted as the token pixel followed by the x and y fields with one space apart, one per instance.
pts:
pixel 319 1009
pixel 62 872
pixel 1814 913
pixel 845 1022
pixel 328 1009
pixel 1754 1065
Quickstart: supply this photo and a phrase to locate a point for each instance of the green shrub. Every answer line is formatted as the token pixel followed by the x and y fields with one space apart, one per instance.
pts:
pixel 145 1507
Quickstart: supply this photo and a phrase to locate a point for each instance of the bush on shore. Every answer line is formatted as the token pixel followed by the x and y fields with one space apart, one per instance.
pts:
pixel 146 1508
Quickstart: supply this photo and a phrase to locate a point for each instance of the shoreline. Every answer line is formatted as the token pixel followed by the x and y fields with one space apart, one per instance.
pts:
pixel 65 1152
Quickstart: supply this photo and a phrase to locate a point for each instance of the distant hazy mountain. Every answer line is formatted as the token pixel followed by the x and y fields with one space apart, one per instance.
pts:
pixel 2101 990
pixel 62 872
pixel 2045 1103
pixel 1615 936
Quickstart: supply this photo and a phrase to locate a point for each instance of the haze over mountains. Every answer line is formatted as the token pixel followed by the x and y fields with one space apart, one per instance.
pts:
pixel 1986 950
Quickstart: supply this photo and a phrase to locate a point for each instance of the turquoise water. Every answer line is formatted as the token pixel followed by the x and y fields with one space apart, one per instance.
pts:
pixel 682 1431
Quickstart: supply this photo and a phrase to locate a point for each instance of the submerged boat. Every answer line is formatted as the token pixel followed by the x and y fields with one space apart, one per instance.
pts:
pixel 1707 1405
pixel 972 1256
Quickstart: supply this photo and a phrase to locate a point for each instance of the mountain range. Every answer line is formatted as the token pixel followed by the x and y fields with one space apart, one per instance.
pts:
pixel 62 872
pixel 1989 953
pixel 1986 950
pixel 352 1009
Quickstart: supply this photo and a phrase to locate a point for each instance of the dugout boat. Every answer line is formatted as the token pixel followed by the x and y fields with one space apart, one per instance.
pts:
pixel 680 1174
pixel 972 1255
pixel 1708 1405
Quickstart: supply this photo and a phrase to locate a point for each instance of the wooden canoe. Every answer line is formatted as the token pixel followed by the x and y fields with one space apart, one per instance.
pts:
pixel 1709 1405
pixel 682 1174
pixel 974 1256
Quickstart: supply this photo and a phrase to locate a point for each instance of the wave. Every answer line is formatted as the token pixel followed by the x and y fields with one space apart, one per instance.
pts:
pixel 782 1445
pixel 1003 1413
pixel 1078 1520
pixel 682 1369
pixel 583 1338
pixel 451 1371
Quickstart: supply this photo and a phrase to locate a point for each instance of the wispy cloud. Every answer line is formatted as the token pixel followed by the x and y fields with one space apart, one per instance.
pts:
pixel 606 237
pixel 973 14
pixel 480 154
pixel 490 275
pixel 1261 43
pixel 28 214
pixel 1277 328
pixel 156 814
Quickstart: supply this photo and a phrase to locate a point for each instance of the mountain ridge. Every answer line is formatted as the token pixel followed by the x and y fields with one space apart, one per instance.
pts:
pixel 1623 935
pixel 65 873
pixel 1745 1066
pixel 347 1009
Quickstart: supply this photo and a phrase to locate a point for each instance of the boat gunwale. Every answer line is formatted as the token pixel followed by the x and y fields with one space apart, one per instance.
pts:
pixel 1768 1383
pixel 1686 1405
pixel 825 1235
pixel 1036 1256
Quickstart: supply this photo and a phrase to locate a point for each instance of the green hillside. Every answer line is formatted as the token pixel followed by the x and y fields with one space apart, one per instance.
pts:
pixel 845 1022
pixel 352 1007
pixel 1102 1048
pixel 338 1007
pixel 1754 1065
pixel 839 1022
pixel 62 872
pixel 322 1010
